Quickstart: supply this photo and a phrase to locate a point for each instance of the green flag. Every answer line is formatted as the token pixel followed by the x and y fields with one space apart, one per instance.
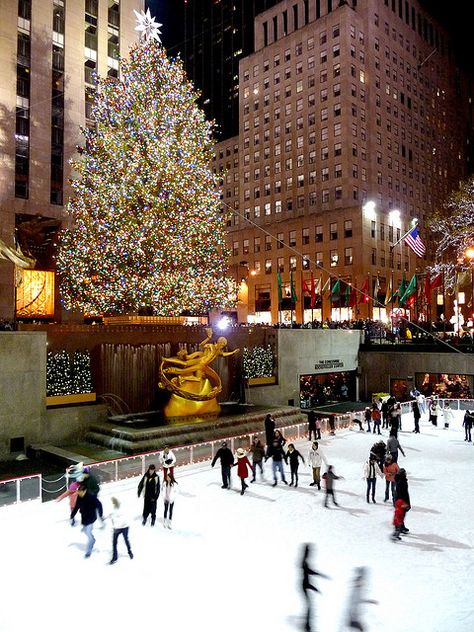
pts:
pixel 294 298
pixel 402 289
pixel 280 292
pixel 336 290
pixel 348 294
pixel 411 289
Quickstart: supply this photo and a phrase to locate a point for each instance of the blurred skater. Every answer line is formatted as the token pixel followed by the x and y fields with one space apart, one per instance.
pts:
pixel 120 523
pixel 306 584
pixel 329 478
pixel 88 505
pixel 269 425
pixel 357 599
pixel 93 487
pixel 170 491
pixel 227 461
pixel 71 493
pixel 150 486
pixel 293 456
pixel 393 446
pixel 243 468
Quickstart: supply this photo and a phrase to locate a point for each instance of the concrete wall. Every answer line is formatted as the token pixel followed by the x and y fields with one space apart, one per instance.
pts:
pixel 22 387
pixel 378 368
pixel 304 352
pixel 23 411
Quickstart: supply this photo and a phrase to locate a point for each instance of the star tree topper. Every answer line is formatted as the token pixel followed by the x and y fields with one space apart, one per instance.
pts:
pixel 146 25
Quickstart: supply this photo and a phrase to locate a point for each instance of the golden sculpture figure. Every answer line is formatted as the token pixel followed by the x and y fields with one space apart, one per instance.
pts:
pixel 193 384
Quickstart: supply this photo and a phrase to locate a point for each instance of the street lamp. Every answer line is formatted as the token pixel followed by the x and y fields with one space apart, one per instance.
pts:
pixel 469 253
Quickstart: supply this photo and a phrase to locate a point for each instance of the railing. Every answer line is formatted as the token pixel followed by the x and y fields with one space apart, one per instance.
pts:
pixel 16 490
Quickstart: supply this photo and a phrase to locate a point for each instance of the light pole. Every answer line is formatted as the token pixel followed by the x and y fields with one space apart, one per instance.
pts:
pixel 469 253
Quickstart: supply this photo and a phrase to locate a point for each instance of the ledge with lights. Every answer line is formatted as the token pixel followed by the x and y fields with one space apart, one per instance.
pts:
pixel 69 378
pixel 258 365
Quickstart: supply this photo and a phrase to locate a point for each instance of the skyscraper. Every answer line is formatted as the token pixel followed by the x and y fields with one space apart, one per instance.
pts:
pixel 212 36
pixel 49 53
pixel 353 122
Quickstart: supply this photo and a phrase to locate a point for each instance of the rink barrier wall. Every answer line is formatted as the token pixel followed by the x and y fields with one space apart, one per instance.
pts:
pixel 25 488
pixel 17 490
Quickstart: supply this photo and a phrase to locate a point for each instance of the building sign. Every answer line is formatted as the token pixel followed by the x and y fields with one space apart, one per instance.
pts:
pixel 35 294
pixel 327 365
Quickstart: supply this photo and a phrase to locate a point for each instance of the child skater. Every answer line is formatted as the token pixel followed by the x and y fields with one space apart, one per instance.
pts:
pixel 293 455
pixel 243 468
pixel 399 518
pixel 170 491
pixel 329 477
pixel 71 493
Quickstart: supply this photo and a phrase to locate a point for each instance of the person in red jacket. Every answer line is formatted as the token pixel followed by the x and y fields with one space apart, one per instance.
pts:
pixel 243 468
pixel 399 518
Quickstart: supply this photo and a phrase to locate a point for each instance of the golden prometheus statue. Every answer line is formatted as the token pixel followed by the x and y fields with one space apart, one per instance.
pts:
pixel 193 384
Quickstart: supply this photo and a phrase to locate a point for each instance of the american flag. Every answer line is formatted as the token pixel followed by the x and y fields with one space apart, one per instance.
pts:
pixel 413 240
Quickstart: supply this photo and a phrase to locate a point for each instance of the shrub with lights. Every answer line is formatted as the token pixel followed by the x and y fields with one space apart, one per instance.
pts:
pixel 258 362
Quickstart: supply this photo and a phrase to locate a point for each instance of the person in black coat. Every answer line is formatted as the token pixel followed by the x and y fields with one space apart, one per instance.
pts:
pixel 312 424
pixel 150 485
pixel 403 493
pixel 292 456
pixel 269 432
pixel 87 504
pixel 416 416
pixel 227 461
pixel 467 423
pixel 306 573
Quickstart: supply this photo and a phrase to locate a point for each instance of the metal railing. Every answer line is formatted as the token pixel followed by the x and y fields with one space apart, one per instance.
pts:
pixel 17 490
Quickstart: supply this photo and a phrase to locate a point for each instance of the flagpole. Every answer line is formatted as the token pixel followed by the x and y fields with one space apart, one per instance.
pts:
pixel 322 301
pixel 403 237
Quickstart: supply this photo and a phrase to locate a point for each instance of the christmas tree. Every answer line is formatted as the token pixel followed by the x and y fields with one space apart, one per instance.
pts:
pixel 147 231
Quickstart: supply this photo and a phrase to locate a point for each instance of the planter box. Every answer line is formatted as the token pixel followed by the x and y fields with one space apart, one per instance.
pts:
pixel 261 381
pixel 65 400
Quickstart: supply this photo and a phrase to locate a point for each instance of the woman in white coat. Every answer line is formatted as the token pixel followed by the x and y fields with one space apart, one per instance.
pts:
pixel 371 471
pixel 170 491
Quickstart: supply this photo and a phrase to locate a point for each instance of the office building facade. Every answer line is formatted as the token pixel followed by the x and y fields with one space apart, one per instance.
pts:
pixel 50 51
pixel 353 122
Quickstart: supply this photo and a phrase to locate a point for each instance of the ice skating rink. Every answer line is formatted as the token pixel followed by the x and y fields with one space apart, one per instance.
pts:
pixel 230 562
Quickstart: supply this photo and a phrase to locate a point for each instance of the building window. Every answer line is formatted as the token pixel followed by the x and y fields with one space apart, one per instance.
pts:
pixel 268 266
pixel 334 258
pixel 319 258
pixel 318 233
pixel 348 228
pixel 373 257
pixel 305 236
pixel 292 238
pixel 292 263
pixel 348 256
pixel 305 262
pixel 333 231
pixel 373 228
pixel 280 243
pixel 281 264
pixel 268 242
pixel 245 247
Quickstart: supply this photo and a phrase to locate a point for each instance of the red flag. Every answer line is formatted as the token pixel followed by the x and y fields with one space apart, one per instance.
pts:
pixel 364 292
pixel 353 296
pixel 304 286
pixel 313 292
pixel 427 287
pixel 436 282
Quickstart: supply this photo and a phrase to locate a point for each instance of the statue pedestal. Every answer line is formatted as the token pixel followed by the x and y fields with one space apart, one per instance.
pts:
pixel 181 407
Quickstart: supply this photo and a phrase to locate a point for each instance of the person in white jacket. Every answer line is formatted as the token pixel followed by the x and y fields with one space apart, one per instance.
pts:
pixel 448 415
pixel 168 461
pixel 120 523
pixel 315 459
pixel 170 491
pixel 371 471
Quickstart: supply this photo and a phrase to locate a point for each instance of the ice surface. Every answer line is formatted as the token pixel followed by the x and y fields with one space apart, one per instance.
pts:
pixel 230 562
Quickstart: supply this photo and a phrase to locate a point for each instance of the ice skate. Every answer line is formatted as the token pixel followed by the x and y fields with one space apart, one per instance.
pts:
pixel 169 524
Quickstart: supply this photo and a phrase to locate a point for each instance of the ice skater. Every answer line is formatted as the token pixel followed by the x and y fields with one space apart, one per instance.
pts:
pixel 356 600
pixel 168 461
pixel 371 471
pixel 243 468
pixel 403 493
pixel 258 453
pixel 393 446
pixel 170 491
pixel 293 456
pixel 416 416
pixel 390 470
pixel 227 461
pixel 269 425
pixel 448 415
pixel 93 487
pixel 88 505
pixel 311 424
pixel 315 460
pixel 467 423
pixel 278 455
pixel 120 523
pixel 329 478
pixel 399 518
pixel 71 493
pixel 306 584
pixel 150 486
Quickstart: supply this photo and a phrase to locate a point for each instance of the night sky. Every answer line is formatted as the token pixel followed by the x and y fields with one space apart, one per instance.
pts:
pixel 451 15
